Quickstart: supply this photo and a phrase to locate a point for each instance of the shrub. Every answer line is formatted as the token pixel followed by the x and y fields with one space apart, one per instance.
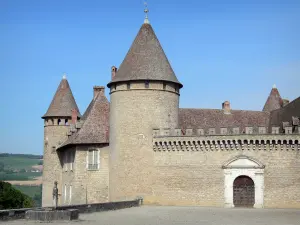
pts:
pixel 11 198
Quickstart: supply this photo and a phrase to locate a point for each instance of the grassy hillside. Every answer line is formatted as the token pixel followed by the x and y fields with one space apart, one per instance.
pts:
pixel 34 192
pixel 19 166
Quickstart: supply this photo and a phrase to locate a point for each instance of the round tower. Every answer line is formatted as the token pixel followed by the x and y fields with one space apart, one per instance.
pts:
pixel 56 125
pixel 144 95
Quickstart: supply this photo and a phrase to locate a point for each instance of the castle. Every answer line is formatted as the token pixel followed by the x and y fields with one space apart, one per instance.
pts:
pixel 142 145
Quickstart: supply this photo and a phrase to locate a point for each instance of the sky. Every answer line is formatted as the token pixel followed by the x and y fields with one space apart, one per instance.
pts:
pixel 220 50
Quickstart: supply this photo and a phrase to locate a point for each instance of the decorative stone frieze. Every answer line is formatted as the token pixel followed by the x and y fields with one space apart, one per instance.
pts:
pixel 221 143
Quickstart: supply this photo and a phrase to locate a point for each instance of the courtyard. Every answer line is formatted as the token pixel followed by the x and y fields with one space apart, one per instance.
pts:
pixel 167 215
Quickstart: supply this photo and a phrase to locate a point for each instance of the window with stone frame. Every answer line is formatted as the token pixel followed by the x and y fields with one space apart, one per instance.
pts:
pixel 65 160
pixel 93 159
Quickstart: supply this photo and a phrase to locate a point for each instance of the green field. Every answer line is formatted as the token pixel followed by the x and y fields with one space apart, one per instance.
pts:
pixel 19 176
pixel 17 162
pixel 18 167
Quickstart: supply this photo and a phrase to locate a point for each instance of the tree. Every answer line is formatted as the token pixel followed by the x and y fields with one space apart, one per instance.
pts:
pixel 11 198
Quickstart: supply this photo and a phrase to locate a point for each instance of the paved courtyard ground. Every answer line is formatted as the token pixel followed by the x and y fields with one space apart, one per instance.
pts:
pixel 156 215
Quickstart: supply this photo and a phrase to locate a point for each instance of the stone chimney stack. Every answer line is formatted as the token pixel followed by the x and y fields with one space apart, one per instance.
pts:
pixel 285 102
pixel 98 90
pixel 74 116
pixel 226 107
pixel 113 72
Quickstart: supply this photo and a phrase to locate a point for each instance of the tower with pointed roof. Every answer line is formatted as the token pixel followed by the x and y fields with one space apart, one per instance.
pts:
pixel 144 94
pixel 56 124
pixel 274 100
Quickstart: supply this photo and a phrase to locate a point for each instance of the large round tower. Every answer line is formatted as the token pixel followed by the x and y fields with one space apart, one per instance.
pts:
pixel 144 95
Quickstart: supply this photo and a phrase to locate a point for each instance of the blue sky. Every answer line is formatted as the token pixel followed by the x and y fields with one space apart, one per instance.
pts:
pixel 220 50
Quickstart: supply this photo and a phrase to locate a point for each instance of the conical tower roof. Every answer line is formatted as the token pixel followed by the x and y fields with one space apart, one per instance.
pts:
pixel 274 101
pixel 63 101
pixel 145 60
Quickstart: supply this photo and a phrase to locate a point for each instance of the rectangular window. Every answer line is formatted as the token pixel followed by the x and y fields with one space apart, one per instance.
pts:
pixel 72 156
pixel 93 159
pixel 164 86
pixel 65 161
pixel 65 193
pixel 146 84
pixel 70 195
pixel 128 86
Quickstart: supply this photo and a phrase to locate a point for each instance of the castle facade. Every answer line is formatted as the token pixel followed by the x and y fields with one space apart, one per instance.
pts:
pixel 142 144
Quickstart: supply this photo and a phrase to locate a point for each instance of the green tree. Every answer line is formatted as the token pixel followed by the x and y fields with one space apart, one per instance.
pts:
pixel 11 198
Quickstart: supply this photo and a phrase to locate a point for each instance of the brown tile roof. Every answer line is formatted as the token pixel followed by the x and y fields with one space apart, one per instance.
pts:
pixel 95 127
pixel 63 102
pixel 145 60
pixel 216 118
pixel 274 101
pixel 286 113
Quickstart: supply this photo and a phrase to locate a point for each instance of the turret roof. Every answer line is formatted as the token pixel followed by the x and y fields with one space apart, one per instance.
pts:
pixel 274 101
pixel 63 101
pixel 145 60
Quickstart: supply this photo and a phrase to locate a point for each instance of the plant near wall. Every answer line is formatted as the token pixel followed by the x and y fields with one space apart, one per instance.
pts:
pixel 11 198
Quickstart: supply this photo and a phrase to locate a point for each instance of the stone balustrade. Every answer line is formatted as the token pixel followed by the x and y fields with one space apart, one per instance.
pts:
pixel 226 131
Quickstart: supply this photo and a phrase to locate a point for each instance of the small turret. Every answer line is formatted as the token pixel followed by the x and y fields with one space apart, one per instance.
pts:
pixel 274 100
pixel 61 113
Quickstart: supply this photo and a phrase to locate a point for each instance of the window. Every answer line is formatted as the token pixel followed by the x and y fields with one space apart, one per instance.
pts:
pixel 147 84
pixel 164 86
pixel 72 156
pixel 93 160
pixel 70 194
pixel 66 161
pixel 128 86
pixel 65 193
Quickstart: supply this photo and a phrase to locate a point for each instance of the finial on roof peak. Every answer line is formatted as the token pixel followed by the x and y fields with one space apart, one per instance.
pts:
pixel 146 11
pixel 64 76
pixel 274 86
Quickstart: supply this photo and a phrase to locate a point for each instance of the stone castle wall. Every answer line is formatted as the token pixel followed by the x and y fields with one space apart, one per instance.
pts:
pixel 189 169
pixel 54 135
pixel 87 186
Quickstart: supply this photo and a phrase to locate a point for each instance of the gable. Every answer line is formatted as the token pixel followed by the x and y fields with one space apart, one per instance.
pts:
pixel 242 162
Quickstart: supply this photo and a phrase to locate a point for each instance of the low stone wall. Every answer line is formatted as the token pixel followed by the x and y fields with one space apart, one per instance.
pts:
pixel 13 214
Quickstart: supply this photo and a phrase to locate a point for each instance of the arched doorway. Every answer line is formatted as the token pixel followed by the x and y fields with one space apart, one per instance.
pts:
pixel 243 192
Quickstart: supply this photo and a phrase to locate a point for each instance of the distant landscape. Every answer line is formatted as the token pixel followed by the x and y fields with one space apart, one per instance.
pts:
pixel 24 172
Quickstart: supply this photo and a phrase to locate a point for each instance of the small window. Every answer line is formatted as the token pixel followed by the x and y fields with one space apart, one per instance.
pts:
pixel 70 195
pixel 128 86
pixel 93 160
pixel 66 161
pixel 164 86
pixel 59 122
pixel 147 84
pixel 67 122
pixel 65 194
pixel 72 154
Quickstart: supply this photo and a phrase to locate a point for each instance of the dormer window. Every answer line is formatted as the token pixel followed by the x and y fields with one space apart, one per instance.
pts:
pixel 147 84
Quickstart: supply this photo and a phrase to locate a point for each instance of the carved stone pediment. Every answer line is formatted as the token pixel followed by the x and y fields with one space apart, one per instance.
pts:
pixel 241 162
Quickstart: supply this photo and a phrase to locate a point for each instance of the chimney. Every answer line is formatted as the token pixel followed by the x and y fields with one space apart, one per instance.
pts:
pixel 226 107
pixel 113 72
pixel 74 116
pixel 285 102
pixel 98 90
